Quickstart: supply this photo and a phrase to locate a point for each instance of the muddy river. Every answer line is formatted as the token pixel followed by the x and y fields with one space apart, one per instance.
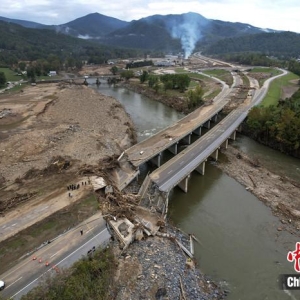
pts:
pixel 240 245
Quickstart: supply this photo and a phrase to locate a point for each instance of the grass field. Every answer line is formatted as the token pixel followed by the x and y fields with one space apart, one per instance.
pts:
pixel 221 74
pixel 200 76
pixel 275 90
pixel 47 229
pixel 180 70
pixel 10 75
pixel 268 71
pixel 265 70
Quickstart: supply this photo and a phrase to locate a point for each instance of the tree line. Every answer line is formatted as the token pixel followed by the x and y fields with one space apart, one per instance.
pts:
pixel 277 126
pixel 89 278
pixel 260 59
pixel 283 45
pixel 178 82
pixel 18 43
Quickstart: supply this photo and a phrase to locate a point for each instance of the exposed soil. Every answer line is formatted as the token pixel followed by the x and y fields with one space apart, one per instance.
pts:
pixel 177 100
pixel 63 128
pixel 281 194
pixel 288 91
pixel 26 241
pixel 50 132
pixel 260 76
pixel 52 136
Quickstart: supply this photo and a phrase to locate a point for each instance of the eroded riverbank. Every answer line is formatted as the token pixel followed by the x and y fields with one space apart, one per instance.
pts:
pixel 280 193
pixel 82 127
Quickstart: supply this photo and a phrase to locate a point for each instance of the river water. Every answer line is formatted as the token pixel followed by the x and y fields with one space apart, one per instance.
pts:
pixel 240 245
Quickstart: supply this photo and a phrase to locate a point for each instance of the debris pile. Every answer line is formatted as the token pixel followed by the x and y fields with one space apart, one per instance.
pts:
pixel 57 165
pixel 157 267
pixel 5 112
pixel 6 204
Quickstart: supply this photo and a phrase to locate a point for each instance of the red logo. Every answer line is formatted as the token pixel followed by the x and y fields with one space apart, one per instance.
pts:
pixel 294 256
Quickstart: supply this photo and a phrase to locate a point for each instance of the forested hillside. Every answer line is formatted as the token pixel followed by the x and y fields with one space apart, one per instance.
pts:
pixel 20 43
pixel 280 44
pixel 277 126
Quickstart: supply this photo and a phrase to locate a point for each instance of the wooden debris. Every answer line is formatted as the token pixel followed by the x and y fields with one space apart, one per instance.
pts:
pixel 182 289
pixel 254 184
pixel 191 245
pixel 197 240
pixel 7 204
pixel 186 251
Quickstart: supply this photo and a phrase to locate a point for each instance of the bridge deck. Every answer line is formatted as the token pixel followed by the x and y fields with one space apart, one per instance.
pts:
pixel 145 150
pixel 181 165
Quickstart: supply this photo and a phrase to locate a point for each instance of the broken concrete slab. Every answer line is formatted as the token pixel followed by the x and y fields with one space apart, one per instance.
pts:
pixel 124 231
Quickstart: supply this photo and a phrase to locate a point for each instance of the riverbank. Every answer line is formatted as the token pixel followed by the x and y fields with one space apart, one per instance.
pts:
pixel 280 193
pixel 50 133
pixel 180 104
pixel 157 268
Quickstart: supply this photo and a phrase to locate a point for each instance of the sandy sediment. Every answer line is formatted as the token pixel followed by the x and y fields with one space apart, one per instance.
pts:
pixel 72 121
pixel 281 194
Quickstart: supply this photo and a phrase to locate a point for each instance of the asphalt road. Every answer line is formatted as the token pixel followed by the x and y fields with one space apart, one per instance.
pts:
pixel 180 166
pixel 171 173
pixel 60 253
pixel 145 150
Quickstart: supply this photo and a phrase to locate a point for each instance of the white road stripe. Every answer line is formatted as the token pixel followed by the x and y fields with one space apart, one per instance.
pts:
pixel 14 282
pixel 56 264
pixel 55 253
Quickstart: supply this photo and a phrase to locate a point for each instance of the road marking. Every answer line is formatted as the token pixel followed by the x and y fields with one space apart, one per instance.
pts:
pixel 14 282
pixel 90 228
pixel 56 264
pixel 55 253
pixel 49 246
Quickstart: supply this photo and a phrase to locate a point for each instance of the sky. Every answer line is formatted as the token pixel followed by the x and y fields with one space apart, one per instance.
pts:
pixel 274 14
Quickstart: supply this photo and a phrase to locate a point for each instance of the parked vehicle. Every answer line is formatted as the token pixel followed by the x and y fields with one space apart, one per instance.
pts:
pixel 2 285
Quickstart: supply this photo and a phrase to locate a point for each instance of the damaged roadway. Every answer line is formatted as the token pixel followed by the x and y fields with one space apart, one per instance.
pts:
pixel 61 134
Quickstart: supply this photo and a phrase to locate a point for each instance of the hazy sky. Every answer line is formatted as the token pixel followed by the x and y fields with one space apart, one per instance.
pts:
pixel 274 14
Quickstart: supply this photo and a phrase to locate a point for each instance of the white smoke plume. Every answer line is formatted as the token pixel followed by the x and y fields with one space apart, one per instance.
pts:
pixel 188 31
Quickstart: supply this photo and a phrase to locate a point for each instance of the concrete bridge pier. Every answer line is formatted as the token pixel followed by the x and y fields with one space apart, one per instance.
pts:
pixel 239 129
pixel 225 144
pixel 201 168
pixel 215 118
pixel 207 124
pixel 233 136
pixel 198 131
pixel 215 154
pixel 183 184
pixel 156 160
pixel 174 148
pixel 187 139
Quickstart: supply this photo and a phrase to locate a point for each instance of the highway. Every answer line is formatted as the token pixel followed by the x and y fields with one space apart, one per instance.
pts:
pixel 172 172
pixel 180 166
pixel 60 253
pixel 145 150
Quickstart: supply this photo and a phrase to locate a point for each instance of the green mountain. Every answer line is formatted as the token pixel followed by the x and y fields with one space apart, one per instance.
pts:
pixel 187 32
pixel 28 44
pixel 23 23
pixel 91 26
pixel 279 44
